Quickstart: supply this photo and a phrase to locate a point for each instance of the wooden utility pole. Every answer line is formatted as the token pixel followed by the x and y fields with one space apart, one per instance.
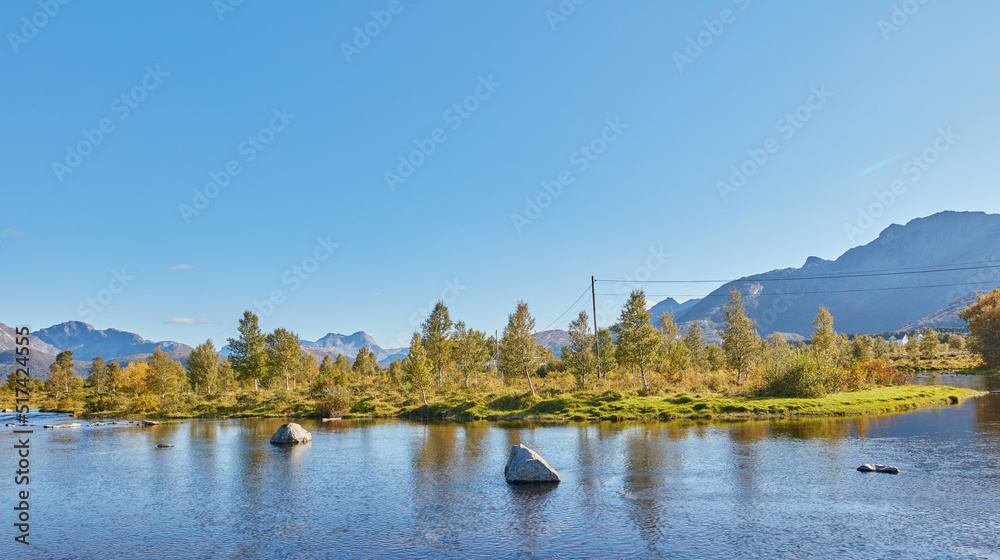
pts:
pixel 597 340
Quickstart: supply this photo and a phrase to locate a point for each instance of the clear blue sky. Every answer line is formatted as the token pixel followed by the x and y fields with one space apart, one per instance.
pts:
pixel 332 112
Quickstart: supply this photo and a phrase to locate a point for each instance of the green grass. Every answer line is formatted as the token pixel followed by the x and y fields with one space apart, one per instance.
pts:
pixel 569 407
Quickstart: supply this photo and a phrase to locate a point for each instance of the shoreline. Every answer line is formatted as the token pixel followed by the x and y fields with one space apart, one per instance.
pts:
pixel 615 407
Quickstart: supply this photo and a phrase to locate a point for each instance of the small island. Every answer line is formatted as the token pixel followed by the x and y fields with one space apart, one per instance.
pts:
pixel 632 371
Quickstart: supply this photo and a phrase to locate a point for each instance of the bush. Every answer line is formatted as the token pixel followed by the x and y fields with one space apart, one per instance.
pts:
pixel 143 404
pixel 336 401
pixel 883 372
pixel 800 375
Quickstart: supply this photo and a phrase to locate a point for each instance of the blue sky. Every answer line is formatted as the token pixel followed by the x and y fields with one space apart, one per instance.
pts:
pixel 246 165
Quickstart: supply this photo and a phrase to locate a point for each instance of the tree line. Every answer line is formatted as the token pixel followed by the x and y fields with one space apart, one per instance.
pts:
pixel 632 352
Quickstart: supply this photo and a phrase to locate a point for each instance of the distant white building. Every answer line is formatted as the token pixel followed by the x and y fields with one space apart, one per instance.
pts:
pixel 900 340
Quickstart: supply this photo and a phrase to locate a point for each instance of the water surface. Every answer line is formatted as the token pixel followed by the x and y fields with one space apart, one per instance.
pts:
pixel 769 489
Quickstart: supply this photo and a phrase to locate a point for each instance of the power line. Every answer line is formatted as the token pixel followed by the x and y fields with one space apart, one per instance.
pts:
pixel 887 272
pixel 825 291
pixel 570 308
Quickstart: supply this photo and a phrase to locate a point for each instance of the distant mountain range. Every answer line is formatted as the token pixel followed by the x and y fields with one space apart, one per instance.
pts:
pixel 349 345
pixel 916 275
pixel 921 274
pixel 86 342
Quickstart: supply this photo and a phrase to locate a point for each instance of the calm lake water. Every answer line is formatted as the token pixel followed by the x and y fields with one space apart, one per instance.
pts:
pixel 776 489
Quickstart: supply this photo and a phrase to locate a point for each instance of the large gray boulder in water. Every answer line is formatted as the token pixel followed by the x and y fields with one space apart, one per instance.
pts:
pixel 290 433
pixel 525 466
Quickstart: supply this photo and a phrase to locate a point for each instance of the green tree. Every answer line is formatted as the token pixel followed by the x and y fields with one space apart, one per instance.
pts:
pixel 342 369
pixel 226 374
pixel 416 367
pixel 472 351
pixel 715 357
pixel 695 342
pixel 362 365
pixel 164 376
pixel 928 345
pixel 913 348
pixel 674 355
pixel 579 354
pixel 113 376
pixel 326 370
pixel 637 339
pixel 248 353
pixel 98 374
pixel 518 353
pixel 436 340
pixel 824 339
pixel 203 367
pixel 58 381
pixel 983 318
pixel 740 340
pixel 308 367
pixel 956 342
pixel 284 355
pixel 862 349
pixel 604 352
pixel 64 360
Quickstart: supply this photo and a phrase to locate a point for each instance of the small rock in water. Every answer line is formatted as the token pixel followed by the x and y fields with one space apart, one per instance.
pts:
pixel 149 423
pixel 290 433
pixel 10 425
pixel 163 445
pixel 888 469
pixel 525 466
pixel 95 424
pixel 73 425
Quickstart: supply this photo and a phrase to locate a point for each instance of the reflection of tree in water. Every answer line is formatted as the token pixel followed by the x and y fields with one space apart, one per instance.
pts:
pixel 437 502
pixel 645 491
pixel 988 408
pixel 813 428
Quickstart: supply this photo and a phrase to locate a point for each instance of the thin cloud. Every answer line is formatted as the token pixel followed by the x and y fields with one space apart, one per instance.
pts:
pixel 12 231
pixel 875 167
pixel 182 267
pixel 190 321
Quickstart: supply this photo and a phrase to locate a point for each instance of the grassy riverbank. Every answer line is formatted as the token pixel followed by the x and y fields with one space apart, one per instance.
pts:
pixel 617 406
pixel 575 406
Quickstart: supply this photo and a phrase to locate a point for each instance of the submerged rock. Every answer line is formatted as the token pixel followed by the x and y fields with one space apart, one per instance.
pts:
pixel 888 469
pixel 149 423
pixel 163 445
pixel 290 433
pixel 92 424
pixel 525 466
pixel 73 425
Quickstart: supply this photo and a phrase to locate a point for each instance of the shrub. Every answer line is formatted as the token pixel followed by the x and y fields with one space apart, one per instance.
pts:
pixel 336 401
pixel 883 372
pixel 800 375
